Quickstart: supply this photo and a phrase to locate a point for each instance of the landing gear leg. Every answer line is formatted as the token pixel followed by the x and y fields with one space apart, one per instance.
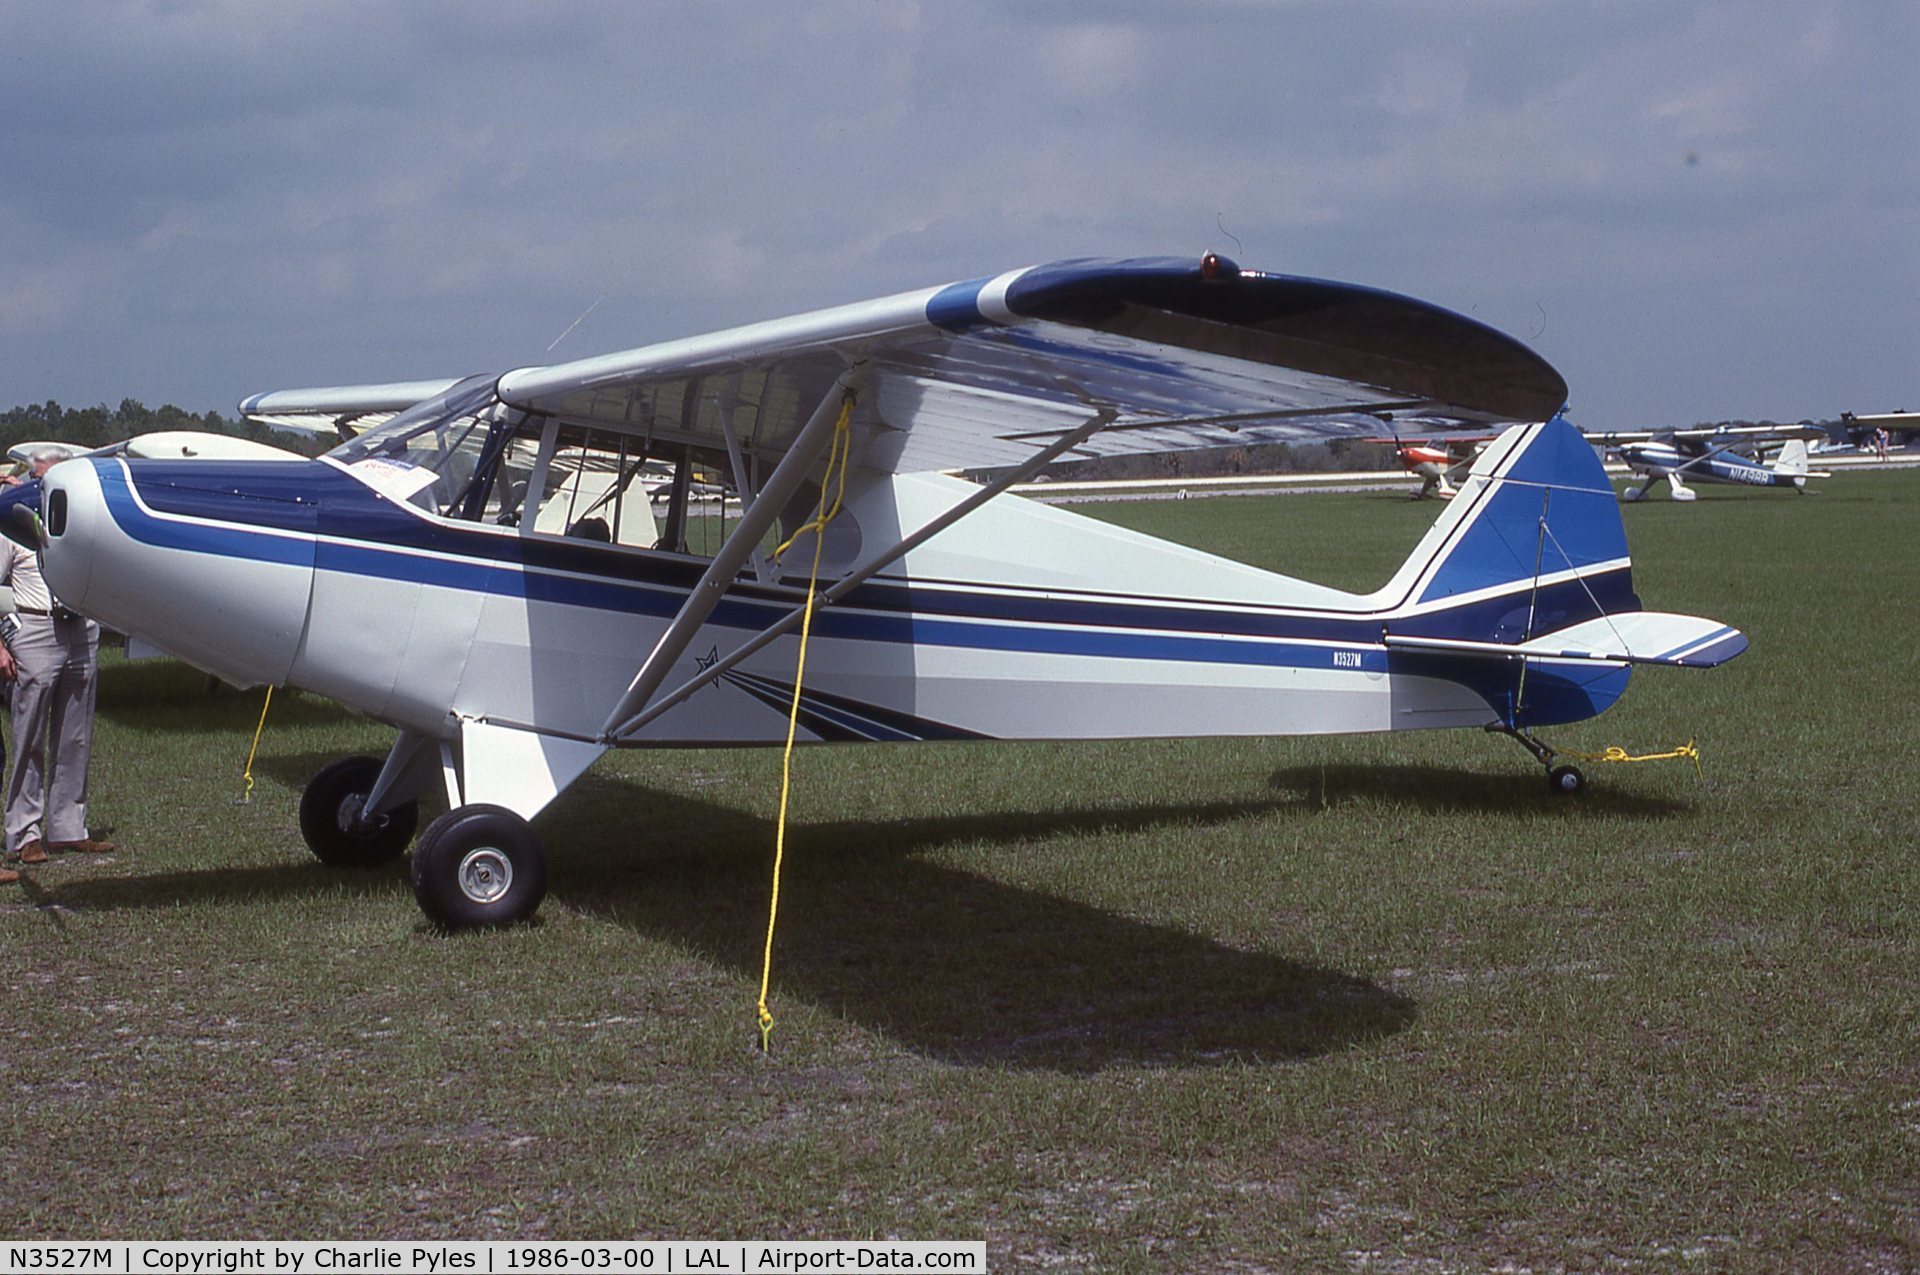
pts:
pixel 1562 779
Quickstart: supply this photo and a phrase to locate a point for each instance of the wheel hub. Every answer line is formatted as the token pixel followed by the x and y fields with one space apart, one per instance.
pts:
pixel 353 819
pixel 485 874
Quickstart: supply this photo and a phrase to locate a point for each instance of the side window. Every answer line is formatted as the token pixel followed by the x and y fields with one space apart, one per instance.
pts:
pixel 598 486
pixel 618 488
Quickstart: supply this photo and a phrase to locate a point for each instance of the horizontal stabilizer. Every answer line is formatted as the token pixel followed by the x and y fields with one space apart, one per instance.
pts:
pixel 1636 637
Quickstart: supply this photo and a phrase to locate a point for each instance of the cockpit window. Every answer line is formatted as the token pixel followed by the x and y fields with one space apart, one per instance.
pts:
pixel 465 454
pixel 431 454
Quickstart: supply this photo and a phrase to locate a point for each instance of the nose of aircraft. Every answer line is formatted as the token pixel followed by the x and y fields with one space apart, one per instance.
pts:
pixel 193 556
pixel 40 513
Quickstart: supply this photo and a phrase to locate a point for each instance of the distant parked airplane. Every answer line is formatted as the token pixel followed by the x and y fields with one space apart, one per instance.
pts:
pixel 1866 431
pixel 1718 455
pixel 1436 460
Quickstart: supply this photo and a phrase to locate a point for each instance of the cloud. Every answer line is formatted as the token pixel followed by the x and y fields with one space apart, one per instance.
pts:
pixel 206 199
pixel 1089 61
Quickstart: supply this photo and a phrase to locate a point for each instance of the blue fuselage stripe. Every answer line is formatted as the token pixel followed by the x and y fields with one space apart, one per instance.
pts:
pixel 902 614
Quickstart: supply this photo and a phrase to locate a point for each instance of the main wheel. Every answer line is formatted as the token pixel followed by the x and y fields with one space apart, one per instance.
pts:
pixel 1566 780
pixel 478 867
pixel 330 817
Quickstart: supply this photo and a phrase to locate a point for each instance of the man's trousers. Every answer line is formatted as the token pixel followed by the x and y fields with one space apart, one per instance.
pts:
pixel 58 660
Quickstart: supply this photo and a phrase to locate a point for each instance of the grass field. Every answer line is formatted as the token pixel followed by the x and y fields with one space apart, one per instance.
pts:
pixel 1379 1003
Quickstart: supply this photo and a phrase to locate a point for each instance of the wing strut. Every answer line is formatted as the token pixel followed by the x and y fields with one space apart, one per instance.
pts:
pixel 786 478
pixel 724 403
pixel 863 572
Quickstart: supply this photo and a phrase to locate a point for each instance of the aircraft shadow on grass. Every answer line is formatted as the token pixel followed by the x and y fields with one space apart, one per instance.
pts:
pixel 948 963
pixel 166 695
pixel 1438 790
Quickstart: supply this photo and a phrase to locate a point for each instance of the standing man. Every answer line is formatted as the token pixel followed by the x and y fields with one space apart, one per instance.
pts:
pixel 52 659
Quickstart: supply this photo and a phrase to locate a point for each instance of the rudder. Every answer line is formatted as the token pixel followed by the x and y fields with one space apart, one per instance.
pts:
pixel 1792 461
pixel 1537 514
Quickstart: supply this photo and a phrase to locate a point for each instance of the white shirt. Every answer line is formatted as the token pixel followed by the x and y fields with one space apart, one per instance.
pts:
pixel 20 567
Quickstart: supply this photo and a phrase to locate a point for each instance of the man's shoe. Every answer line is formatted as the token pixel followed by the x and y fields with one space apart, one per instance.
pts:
pixel 33 852
pixel 86 845
pixel 8 874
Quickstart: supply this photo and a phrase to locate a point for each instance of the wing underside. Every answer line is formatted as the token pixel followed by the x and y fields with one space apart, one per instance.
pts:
pixel 1171 354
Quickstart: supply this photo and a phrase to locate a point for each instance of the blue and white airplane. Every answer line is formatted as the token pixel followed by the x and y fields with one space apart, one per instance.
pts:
pixel 434 572
pixel 1717 455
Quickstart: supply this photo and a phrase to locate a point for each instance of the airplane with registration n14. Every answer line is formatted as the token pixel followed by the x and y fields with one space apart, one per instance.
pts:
pixel 424 572
pixel 1713 455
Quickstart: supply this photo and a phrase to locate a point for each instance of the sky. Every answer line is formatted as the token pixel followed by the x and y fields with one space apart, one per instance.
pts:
pixel 1695 211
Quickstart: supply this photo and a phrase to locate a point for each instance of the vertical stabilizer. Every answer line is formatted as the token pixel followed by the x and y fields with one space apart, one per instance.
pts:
pixel 1538 514
pixel 1792 461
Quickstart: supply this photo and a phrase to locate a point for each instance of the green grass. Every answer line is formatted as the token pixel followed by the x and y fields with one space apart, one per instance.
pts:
pixel 1368 1003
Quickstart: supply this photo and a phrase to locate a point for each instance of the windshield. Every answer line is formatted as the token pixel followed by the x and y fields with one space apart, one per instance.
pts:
pixel 430 454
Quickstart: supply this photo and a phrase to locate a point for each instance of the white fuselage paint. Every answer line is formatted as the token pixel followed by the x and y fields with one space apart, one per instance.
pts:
pixel 428 640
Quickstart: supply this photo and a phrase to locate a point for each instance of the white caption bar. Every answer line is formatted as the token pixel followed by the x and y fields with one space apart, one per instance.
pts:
pixel 462 1257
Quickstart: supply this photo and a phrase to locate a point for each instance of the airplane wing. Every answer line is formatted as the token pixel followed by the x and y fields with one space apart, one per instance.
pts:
pixel 1730 434
pixel 1622 437
pixel 1882 420
pixel 1173 353
pixel 1754 433
pixel 1467 446
pixel 340 410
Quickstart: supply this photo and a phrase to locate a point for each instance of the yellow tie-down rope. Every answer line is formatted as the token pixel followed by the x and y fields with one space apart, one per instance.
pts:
pixel 1617 753
pixel 246 774
pixel 837 457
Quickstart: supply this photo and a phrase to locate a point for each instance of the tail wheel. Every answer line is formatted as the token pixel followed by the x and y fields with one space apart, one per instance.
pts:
pixel 478 867
pixel 1566 780
pixel 332 823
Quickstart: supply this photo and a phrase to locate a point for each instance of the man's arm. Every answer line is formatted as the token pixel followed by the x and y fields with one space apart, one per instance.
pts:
pixel 8 550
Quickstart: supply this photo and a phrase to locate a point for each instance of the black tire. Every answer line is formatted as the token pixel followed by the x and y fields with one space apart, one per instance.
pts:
pixel 329 810
pixel 1566 780
pixel 478 867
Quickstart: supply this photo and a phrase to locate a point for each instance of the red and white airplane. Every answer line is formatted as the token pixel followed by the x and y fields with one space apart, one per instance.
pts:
pixel 1435 460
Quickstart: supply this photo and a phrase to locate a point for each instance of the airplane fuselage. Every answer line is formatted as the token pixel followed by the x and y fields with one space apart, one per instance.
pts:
pixel 1661 460
pixel 509 657
pixel 1023 621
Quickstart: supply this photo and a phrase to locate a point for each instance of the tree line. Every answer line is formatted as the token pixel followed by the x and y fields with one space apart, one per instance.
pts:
pixel 83 428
